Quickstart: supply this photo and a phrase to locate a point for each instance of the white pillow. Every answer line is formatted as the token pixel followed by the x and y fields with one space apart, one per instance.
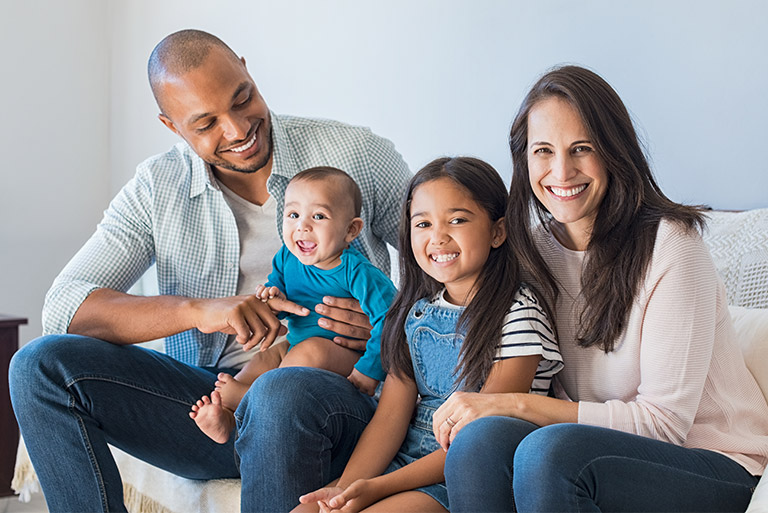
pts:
pixel 751 326
pixel 738 242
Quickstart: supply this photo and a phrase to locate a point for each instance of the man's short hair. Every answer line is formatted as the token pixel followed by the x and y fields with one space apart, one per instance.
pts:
pixel 352 190
pixel 180 52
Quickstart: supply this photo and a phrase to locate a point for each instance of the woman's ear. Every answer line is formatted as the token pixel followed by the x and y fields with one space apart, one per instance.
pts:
pixel 498 232
pixel 354 229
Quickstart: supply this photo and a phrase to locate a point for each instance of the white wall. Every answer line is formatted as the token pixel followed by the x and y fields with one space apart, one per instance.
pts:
pixel 446 76
pixel 54 142
pixel 435 76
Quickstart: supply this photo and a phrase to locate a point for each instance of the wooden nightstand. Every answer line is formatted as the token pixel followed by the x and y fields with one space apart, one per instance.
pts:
pixel 9 430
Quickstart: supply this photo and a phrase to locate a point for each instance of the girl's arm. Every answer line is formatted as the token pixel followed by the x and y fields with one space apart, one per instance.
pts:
pixel 380 440
pixel 509 375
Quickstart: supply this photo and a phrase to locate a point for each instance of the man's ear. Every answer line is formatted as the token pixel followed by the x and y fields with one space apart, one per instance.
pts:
pixel 354 229
pixel 167 122
pixel 498 233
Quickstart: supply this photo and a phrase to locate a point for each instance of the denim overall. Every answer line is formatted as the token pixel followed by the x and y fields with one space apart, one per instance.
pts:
pixel 435 346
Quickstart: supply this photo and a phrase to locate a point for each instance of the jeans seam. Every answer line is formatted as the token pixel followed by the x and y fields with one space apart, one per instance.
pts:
pixel 84 433
pixel 91 456
pixel 324 427
pixel 98 377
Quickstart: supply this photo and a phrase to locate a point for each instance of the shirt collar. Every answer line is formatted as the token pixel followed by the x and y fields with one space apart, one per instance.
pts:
pixel 202 175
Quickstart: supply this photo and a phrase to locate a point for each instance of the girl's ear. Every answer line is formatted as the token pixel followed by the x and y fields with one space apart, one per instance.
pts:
pixel 498 233
pixel 354 229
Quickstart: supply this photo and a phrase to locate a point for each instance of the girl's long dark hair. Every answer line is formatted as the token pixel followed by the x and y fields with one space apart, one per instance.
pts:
pixel 494 291
pixel 625 228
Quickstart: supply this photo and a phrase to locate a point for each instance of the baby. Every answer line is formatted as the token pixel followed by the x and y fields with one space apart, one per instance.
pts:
pixel 321 218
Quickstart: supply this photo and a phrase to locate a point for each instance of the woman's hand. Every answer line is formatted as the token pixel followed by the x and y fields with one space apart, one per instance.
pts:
pixel 462 408
pixel 344 316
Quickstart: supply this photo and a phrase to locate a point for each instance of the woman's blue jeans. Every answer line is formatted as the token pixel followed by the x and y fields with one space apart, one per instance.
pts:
pixel 73 395
pixel 572 467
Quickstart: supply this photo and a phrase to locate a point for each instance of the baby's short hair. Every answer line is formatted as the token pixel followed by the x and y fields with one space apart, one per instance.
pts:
pixel 350 187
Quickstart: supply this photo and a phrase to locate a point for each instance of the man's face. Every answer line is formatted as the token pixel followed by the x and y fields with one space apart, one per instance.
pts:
pixel 218 110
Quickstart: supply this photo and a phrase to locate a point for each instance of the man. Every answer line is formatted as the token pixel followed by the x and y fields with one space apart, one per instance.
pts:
pixel 205 212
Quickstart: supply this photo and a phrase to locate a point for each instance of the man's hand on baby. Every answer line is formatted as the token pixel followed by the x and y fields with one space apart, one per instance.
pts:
pixel 343 316
pixel 363 383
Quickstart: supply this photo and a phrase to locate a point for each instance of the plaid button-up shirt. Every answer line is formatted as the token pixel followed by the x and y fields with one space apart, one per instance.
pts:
pixel 172 213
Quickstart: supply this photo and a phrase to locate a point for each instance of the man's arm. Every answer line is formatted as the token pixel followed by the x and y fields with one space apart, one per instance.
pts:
pixel 125 319
pixel 89 296
pixel 114 257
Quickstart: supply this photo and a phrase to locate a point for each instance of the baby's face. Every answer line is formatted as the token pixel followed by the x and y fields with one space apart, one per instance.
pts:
pixel 317 222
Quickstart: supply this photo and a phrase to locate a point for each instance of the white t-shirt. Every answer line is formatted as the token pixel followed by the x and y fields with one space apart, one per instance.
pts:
pixel 259 242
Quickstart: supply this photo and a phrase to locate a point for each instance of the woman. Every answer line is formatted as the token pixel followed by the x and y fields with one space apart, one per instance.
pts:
pixel 655 409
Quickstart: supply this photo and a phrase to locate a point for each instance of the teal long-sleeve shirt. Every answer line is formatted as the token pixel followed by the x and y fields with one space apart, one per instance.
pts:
pixel 355 277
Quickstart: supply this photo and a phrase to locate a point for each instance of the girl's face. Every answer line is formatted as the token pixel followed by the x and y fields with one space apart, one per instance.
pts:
pixel 566 174
pixel 451 236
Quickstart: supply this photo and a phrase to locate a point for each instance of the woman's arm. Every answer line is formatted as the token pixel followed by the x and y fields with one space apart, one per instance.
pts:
pixel 462 408
pixel 504 393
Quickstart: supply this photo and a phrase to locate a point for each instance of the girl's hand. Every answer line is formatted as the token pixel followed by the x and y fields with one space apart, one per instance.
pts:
pixel 363 383
pixel 355 497
pixel 321 497
pixel 462 408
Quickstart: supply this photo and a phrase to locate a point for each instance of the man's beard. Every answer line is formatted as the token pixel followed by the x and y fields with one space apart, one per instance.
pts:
pixel 251 168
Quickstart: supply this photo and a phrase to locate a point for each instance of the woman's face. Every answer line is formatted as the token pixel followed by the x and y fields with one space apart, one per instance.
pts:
pixel 566 174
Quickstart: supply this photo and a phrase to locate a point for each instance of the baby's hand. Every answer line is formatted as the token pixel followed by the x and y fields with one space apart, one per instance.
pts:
pixel 365 384
pixel 266 293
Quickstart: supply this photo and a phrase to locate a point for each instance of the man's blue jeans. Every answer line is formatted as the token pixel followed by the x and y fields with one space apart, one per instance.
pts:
pixel 73 395
pixel 571 467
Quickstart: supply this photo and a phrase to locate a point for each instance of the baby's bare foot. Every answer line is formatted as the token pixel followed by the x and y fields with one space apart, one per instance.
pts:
pixel 231 390
pixel 212 418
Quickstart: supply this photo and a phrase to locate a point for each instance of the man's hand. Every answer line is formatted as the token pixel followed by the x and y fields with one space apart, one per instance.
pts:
pixel 363 383
pixel 345 317
pixel 247 317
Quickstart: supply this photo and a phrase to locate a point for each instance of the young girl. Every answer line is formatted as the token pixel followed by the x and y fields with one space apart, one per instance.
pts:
pixel 460 300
